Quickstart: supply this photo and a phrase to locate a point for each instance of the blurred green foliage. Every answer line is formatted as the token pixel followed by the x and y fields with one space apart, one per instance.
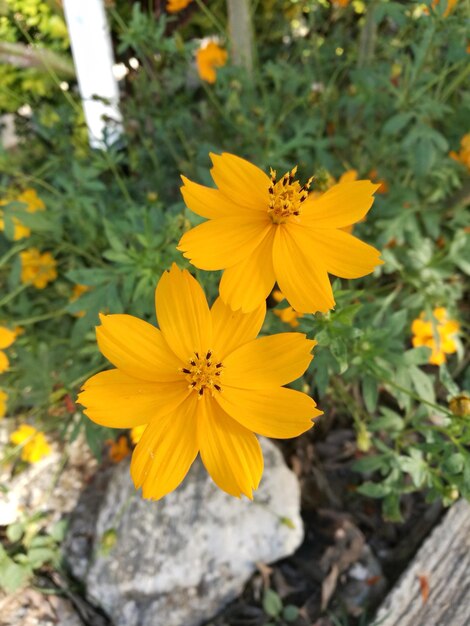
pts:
pixel 372 86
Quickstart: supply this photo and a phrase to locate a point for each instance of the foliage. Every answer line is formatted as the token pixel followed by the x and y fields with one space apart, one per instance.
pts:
pixel 378 87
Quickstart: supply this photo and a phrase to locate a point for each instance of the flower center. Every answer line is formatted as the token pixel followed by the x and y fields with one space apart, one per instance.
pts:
pixel 286 196
pixel 203 372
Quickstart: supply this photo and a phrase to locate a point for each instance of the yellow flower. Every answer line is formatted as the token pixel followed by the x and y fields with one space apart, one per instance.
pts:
pixel 174 6
pixel 209 57
pixel 7 337
pixel 77 291
pixel 439 335
pixel 36 268
pixel 118 450
pixel 262 230
pixel 449 8
pixel 463 156
pixel 287 315
pixel 137 432
pixel 35 443
pixel 203 383
pixel 33 204
pixel 3 403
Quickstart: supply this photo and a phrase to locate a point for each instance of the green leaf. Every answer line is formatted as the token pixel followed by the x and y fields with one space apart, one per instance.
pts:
pixel 39 556
pixel 396 123
pixel 370 393
pixel 272 603
pixel 15 532
pixel 391 508
pixel 372 463
pixel 415 466
pixel 454 464
pixel 374 490
pixel 290 613
pixel 423 384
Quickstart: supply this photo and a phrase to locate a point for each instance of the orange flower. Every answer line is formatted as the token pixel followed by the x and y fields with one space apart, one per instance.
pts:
pixel 340 3
pixel 208 58
pixel 77 291
pixel 463 156
pixel 373 175
pixel 7 337
pixel 36 268
pixel 287 315
pixel 174 6
pixel 439 335
pixel 118 450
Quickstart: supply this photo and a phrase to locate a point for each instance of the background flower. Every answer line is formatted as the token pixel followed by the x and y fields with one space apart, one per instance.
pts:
pixel 35 443
pixel 36 268
pixel 209 57
pixel 439 334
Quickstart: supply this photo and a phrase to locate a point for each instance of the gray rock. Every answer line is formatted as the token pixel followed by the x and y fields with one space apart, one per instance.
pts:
pixel 178 561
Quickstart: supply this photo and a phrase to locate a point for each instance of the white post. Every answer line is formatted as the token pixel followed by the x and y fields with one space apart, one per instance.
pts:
pixel 93 58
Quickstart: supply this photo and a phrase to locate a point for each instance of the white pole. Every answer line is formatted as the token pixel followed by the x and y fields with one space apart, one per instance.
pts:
pixel 93 58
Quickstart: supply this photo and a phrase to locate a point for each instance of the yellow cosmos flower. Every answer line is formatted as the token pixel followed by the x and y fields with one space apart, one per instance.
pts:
pixel 439 335
pixel 118 450
pixel 203 383
pixel 3 403
pixel 35 443
pixel 7 337
pixel 287 315
pixel 174 6
pixel 463 156
pixel 36 268
pixel 33 204
pixel 262 230
pixel 208 58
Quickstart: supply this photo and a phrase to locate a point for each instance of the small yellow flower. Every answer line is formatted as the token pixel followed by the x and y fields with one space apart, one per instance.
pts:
pixel 460 405
pixel 262 230
pixel 137 432
pixel 174 6
pixel 203 383
pixel 463 156
pixel 33 204
pixel 77 291
pixel 449 8
pixel 3 403
pixel 36 268
pixel 287 315
pixel 439 335
pixel 7 337
pixel 118 450
pixel 35 443
pixel 208 58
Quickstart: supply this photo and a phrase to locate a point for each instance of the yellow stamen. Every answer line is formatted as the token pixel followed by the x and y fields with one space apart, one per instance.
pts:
pixel 286 196
pixel 203 372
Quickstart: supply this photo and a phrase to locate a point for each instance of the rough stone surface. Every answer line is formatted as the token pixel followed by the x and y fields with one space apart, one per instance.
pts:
pixel 178 561
pixel 53 485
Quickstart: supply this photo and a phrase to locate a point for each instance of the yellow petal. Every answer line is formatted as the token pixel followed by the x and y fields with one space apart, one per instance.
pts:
pixel 223 242
pixel 279 413
pixel 343 204
pixel 7 337
pixel 183 314
pixel 241 181
pixel 246 285
pixel 301 275
pixel 341 254
pixel 166 451
pixel 231 453
pixel 117 400
pixel 4 362
pixel 207 202
pixel 268 361
pixel 137 348
pixel 421 328
pixel 232 329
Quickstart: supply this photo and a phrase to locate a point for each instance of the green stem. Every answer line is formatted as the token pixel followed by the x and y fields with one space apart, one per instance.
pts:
pixel 40 318
pixel 13 294
pixel 210 15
